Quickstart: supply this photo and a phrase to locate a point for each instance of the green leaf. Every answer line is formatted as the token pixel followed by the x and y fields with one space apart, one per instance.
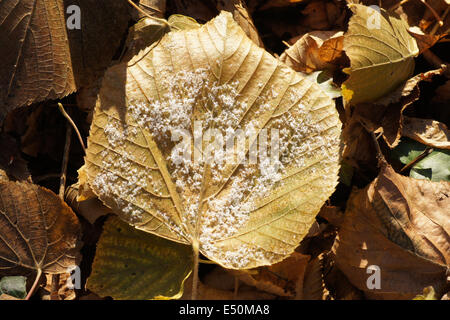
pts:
pixel 325 80
pixel 381 53
pixel 15 286
pixel 132 264
pixel 434 167
pixel 408 150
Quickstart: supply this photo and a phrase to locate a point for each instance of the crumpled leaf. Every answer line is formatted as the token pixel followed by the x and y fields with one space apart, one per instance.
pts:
pixel 211 292
pixel 38 230
pixel 317 50
pixel 313 282
pixel 428 294
pixel 42 59
pixel 239 215
pixel 386 114
pixel 90 209
pixel 284 278
pixel 134 265
pixel 15 286
pixel 240 14
pixel 427 131
pixel 401 225
pixel 381 53
pixel 434 166
pixel 178 21
pixel 144 33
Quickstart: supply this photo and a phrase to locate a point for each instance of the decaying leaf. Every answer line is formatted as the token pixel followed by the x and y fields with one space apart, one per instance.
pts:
pixel 317 50
pixel 240 13
pixel 385 115
pixel 132 264
pixel 428 294
pixel 284 278
pixel 238 213
pixel 427 131
pixel 314 283
pixel 143 34
pixel 381 53
pixel 155 8
pixel 244 292
pixel 400 225
pixel 14 286
pixel 42 59
pixel 91 209
pixel 38 230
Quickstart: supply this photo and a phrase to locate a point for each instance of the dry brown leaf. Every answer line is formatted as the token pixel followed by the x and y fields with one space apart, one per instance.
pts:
pixel 42 59
pixel 401 225
pixel 317 50
pixel 418 15
pixel 314 283
pixel 11 160
pixel 240 13
pixel 5 296
pixel 38 230
pixel 220 278
pixel 385 115
pixel 284 278
pixel 320 15
pixel 339 286
pixel 91 209
pixel 155 8
pixel 65 291
pixel 206 292
pixel 424 41
pixel 359 150
pixel 332 214
pixel 427 131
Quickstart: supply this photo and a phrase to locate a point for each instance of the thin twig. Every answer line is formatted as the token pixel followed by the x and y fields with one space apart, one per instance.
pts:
pixel 35 284
pixel 438 25
pixel 425 152
pixel 380 156
pixel 62 186
pixel 436 16
pixel 164 21
pixel 64 113
pixel 206 261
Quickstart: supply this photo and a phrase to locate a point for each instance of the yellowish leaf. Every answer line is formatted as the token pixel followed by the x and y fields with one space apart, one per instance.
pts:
pixel 214 80
pixel 381 53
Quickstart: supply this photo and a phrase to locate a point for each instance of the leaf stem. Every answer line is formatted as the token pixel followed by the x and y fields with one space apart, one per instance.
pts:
pixel 195 271
pixel 35 284
pixel 164 21
pixel 64 113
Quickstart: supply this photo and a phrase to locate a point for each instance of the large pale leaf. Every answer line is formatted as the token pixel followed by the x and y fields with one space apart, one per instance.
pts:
pixel 381 53
pixel 132 264
pixel 241 215
pixel 38 231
